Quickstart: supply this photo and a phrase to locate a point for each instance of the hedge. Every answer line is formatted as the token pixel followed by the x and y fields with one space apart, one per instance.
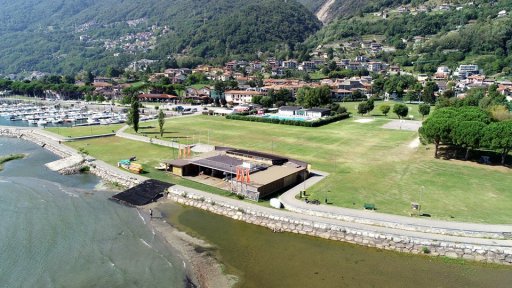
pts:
pixel 316 123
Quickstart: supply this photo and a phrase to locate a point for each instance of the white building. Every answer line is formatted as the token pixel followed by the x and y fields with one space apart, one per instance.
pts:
pixel 241 96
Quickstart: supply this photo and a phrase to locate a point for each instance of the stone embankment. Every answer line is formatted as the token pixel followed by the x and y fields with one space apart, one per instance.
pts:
pixel 52 144
pixel 296 223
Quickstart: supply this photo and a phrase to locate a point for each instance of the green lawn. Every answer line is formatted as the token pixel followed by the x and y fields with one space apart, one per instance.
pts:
pixel 317 75
pixel 413 109
pixel 85 130
pixel 367 164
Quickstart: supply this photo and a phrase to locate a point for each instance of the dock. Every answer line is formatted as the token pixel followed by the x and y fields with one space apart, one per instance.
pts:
pixel 142 194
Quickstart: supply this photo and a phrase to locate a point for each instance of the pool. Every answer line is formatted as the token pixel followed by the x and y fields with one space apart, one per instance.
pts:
pixel 281 117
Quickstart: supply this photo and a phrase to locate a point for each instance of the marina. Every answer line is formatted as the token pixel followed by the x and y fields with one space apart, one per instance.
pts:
pixel 45 115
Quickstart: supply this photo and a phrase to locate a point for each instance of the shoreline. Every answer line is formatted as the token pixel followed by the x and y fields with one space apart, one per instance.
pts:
pixel 485 249
pixel 201 268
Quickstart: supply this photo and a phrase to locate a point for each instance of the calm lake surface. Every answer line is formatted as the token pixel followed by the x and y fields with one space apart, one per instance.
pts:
pixel 57 231
pixel 266 259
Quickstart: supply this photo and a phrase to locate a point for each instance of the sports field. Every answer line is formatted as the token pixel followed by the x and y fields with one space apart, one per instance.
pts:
pixel 368 164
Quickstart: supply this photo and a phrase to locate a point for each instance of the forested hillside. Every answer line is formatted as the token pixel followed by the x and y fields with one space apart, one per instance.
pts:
pixel 73 35
pixel 469 31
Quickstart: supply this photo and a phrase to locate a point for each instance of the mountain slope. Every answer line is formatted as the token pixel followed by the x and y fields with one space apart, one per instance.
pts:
pixel 68 36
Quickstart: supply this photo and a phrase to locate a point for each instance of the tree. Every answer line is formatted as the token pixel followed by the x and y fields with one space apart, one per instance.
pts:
pixel 362 108
pixel 384 108
pixel 498 136
pixel 161 122
pixel 266 101
pixel 88 98
pixel 436 130
pixel 428 92
pixel 371 104
pixel 314 97
pixel 401 110
pixel 100 98
pixel 133 115
pixel 424 110
pixel 468 134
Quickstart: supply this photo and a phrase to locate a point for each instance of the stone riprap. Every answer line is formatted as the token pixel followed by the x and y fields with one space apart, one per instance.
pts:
pixel 53 144
pixel 294 223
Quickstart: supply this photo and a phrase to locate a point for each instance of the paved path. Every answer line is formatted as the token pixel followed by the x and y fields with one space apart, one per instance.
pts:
pixel 349 225
pixel 380 219
pixel 129 136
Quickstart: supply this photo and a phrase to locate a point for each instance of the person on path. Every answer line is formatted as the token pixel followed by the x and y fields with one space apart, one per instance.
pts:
pixel 150 213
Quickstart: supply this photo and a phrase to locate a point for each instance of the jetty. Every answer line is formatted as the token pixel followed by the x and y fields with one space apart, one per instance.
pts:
pixel 142 194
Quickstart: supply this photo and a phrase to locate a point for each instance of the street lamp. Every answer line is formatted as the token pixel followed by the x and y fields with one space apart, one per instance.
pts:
pixel 421 192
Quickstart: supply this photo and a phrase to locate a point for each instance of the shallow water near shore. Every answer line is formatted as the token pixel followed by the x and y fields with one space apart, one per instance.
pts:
pixel 265 259
pixel 56 231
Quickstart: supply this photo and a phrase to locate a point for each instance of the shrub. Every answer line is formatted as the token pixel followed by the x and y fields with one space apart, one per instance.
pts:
pixel 425 250
pixel 85 169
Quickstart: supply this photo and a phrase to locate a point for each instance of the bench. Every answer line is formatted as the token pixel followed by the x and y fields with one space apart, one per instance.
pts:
pixel 369 206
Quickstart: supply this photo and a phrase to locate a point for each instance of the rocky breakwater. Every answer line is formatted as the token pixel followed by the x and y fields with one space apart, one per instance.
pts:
pixel 112 174
pixel 73 162
pixel 284 221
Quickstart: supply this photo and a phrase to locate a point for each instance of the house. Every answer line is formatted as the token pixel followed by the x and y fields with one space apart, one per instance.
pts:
pixel 157 98
pixel 308 66
pixel 422 77
pixel 464 71
pixel 354 66
pixel 361 59
pixel 316 113
pixel 231 65
pixel 340 94
pixel 394 69
pixel 241 96
pixel 443 72
pixel 374 66
pixel 290 64
pixel 289 110
pixel 444 7
pixel 402 9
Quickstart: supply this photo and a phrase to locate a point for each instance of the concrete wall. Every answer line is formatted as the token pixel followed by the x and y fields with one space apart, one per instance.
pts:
pixel 296 225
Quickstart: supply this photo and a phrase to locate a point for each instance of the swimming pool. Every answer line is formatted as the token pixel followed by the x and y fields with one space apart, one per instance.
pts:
pixel 281 117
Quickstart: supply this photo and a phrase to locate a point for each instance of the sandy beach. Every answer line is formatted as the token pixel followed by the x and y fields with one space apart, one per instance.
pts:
pixel 202 269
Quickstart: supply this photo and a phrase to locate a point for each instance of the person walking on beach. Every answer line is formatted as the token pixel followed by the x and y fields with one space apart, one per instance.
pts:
pixel 150 213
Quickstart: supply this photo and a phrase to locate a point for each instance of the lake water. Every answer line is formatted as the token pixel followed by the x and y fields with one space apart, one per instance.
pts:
pixel 265 259
pixel 57 231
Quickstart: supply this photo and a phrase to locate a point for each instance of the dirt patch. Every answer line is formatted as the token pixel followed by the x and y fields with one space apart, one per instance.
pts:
pixel 364 120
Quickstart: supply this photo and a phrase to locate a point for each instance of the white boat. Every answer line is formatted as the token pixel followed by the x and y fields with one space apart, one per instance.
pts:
pixel 42 122
pixel 32 121
pixel 92 121
pixel 57 121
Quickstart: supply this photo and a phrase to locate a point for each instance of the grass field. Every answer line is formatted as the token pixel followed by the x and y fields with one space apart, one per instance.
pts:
pixel 367 164
pixel 413 109
pixel 113 149
pixel 85 130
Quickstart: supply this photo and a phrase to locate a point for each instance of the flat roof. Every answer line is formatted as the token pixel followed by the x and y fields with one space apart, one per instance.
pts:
pixel 274 173
pixel 241 152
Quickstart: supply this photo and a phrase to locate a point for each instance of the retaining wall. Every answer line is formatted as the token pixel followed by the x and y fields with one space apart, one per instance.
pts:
pixel 491 254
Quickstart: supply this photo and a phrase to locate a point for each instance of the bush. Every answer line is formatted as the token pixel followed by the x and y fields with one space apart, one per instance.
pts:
pixel 316 123
pixel 85 169
pixel 425 250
